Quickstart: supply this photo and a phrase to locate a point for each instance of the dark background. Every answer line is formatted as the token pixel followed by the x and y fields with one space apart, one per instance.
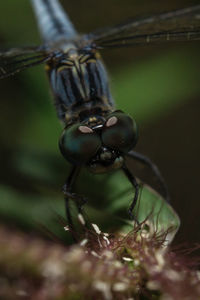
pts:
pixel 159 86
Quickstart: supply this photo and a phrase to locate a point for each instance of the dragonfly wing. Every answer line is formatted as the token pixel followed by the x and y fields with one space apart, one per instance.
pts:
pixel 149 39
pixel 18 59
pixel 179 25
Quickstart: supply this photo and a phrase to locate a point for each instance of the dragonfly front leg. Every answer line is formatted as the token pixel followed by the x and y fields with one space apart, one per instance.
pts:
pixel 135 198
pixel 67 190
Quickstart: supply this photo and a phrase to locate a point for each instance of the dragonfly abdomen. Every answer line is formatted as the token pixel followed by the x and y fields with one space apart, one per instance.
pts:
pixel 53 22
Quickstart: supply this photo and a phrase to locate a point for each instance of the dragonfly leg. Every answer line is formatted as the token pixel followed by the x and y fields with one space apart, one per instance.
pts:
pixel 146 161
pixel 69 216
pixel 133 181
pixel 79 200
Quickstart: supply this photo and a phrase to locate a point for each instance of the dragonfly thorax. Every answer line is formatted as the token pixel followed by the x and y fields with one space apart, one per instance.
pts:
pixel 79 83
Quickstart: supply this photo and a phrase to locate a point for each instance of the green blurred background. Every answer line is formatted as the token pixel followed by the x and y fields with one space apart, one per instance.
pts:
pixel 158 85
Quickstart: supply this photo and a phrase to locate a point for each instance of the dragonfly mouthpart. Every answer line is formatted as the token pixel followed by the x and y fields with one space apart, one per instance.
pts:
pixel 105 160
pixel 99 167
pixel 106 155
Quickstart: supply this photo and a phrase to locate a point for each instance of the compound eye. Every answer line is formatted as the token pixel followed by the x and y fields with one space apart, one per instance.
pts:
pixel 79 144
pixel 120 132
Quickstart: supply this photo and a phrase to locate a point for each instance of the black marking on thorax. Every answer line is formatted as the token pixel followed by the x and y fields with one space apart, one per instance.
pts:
pixel 79 81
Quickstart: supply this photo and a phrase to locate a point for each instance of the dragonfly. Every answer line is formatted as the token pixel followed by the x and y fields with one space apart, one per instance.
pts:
pixel 96 134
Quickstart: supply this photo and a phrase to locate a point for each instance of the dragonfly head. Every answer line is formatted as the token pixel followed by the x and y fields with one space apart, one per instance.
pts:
pixel 102 147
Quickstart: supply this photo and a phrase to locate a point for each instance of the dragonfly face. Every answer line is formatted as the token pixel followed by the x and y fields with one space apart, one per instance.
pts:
pixel 100 143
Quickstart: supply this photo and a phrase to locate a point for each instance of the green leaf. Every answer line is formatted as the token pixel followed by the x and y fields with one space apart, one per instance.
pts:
pixel 113 215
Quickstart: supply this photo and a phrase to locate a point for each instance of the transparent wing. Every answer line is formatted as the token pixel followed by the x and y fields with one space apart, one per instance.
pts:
pixel 160 37
pixel 17 59
pixel 179 25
